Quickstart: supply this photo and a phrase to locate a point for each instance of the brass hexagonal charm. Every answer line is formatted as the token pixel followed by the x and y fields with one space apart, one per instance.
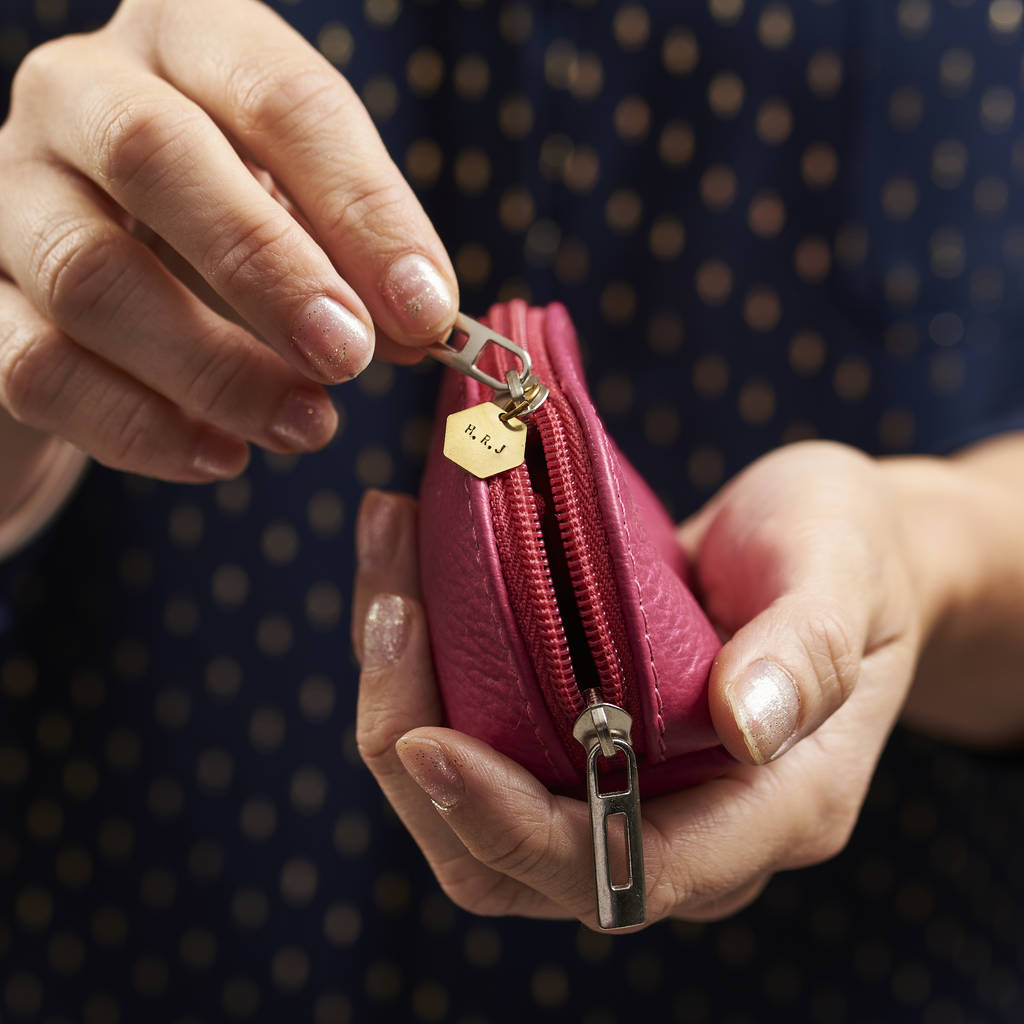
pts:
pixel 477 440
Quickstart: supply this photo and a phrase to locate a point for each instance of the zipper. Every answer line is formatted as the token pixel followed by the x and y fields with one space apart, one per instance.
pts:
pixel 561 585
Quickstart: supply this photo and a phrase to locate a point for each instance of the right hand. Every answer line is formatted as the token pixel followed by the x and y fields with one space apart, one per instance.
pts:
pixel 220 132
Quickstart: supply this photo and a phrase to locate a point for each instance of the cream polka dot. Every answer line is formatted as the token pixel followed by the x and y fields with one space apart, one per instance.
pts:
pixel 471 77
pixel 289 968
pixel 998 106
pixel 819 165
pixel 279 543
pixel 676 144
pixel 515 22
pixel 956 71
pixel 298 881
pixel 946 329
pixel 380 96
pixel 185 526
pixel 901 339
pixel 812 259
pixel 560 63
pixel 623 210
pixel 33 907
pixel 914 17
pixel 549 987
pixel 233 496
pixel 851 245
pixel 710 376
pixel 122 749
pixel 472 171
pixel 726 11
pixel 250 908
pixel 762 309
pixel 157 889
pixel 423 162
pixel 725 94
pixel 424 71
pixel 896 429
pixel 679 51
pixel 718 187
pixel 325 513
pixel 342 924
pixel 215 769
pixel 1004 16
pixel 991 196
pixel 665 333
pixel 572 262
pixel 18 677
pixel 947 252
pixel 852 379
pixel 632 118
pixel 906 108
pixel 757 402
pixel 73 866
pixel 352 834
pixel 775 26
pixel 274 635
pixel 473 264
pixel 806 353
pixel 198 949
pixel 987 286
pixel 377 379
pixel 374 466
pixel 705 467
pixel 332 1008
pixel 766 214
pixel 588 78
pixel 714 282
pixel 946 373
pixel 308 789
pixel 582 169
pixel 51 12
pixel 774 121
pixel 618 302
pixel 80 779
pixel 661 425
pixel 902 284
pixel 165 798
pixel 667 238
pixel 53 731
pixel 631 26
pixel 949 163
pixel 899 198
pixel 266 729
pixel 381 13
pixel 258 819
pixel 825 73
pixel 335 42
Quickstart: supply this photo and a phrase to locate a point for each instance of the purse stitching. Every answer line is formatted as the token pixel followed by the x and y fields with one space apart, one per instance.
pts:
pixel 499 632
pixel 659 717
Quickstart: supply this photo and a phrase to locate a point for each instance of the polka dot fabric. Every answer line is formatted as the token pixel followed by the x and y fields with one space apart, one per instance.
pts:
pixel 770 221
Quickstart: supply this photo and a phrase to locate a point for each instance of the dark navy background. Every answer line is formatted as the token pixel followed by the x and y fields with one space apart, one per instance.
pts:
pixel 769 222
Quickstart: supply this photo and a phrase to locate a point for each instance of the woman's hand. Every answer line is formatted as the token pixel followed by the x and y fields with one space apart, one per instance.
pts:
pixel 804 563
pixel 217 133
pixel 828 573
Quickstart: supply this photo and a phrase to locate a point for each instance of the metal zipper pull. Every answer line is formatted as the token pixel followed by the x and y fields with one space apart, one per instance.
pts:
pixel 489 438
pixel 604 731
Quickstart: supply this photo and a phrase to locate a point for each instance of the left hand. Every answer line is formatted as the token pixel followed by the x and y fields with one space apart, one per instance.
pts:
pixel 803 562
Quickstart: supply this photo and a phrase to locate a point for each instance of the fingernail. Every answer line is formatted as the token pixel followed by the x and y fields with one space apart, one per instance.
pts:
pixel 377 531
pixel 766 705
pixel 420 296
pixel 305 420
pixel 220 456
pixel 385 631
pixel 432 769
pixel 335 342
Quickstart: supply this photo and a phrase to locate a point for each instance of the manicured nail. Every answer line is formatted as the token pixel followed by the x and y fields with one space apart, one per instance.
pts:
pixel 306 419
pixel 378 530
pixel 432 769
pixel 335 342
pixel 766 705
pixel 420 296
pixel 385 631
pixel 220 456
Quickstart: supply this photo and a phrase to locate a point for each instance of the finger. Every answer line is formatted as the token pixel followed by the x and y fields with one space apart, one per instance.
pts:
pixel 386 554
pixel 50 383
pixel 114 297
pixel 397 693
pixel 292 111
pixel 163 160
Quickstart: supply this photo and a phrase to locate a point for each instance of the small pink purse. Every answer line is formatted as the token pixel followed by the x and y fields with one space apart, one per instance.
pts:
pixel 562 628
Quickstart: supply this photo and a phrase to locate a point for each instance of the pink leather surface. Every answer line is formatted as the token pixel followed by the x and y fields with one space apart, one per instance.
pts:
pixel 488 685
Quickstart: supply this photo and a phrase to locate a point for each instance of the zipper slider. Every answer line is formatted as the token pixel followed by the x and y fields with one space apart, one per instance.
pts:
pixel 603 730
pixel 489 438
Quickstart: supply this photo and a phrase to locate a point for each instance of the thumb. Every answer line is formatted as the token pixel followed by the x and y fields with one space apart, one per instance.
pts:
pixel 784 673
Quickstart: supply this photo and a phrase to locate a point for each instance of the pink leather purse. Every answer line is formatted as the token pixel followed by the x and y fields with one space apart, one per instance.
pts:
pixel 562 628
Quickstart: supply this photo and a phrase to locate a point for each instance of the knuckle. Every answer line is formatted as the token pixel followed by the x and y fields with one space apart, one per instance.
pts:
pixel 519 853
pixel 260 256
pixel 33 368
pixel 354 210
pixel 217 376
pixel 38 68
pixel 377 731
pixel 75 266
pixel 476 891
pixel 833 656
pixel 284 97
pixel 130 439
pixel 135 142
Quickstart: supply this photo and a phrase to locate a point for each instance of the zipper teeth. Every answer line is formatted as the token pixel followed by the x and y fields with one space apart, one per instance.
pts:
pixel 579 525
